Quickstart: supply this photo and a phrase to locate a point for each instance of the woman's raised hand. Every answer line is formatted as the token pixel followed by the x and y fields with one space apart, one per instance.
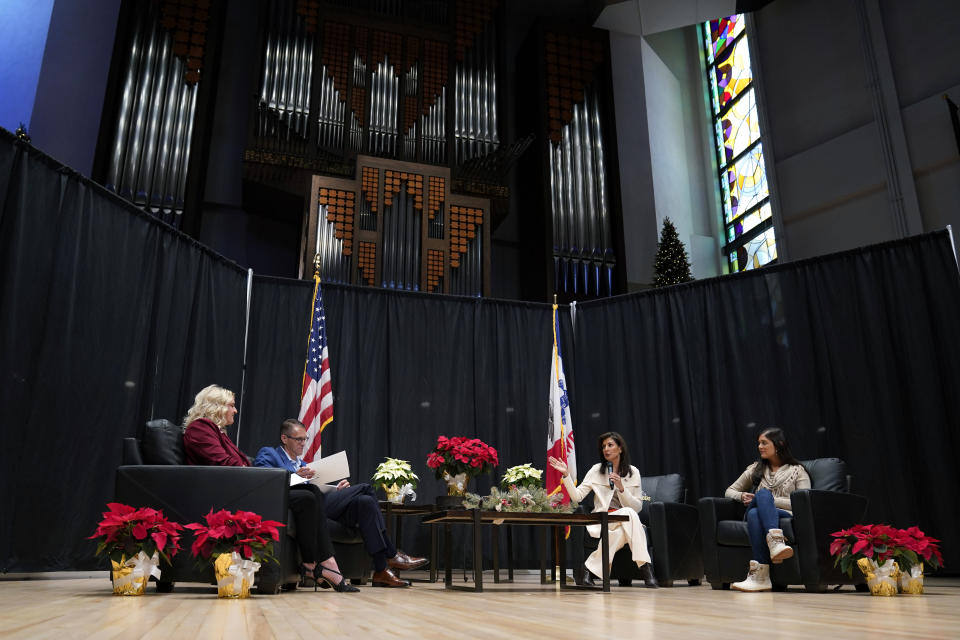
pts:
pixel 559 465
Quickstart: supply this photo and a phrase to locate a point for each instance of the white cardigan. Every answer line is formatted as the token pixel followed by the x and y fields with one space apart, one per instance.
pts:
pixel 598 482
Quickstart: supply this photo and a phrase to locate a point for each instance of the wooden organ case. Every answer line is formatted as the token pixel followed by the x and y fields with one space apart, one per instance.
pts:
pixel 384 117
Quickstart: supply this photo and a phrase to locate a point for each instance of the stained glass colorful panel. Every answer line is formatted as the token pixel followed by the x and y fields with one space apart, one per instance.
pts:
pixel 731 75
pixel 720 33
pixel 737 129
pixel 748 222
pixel 744 184
pixel 755 253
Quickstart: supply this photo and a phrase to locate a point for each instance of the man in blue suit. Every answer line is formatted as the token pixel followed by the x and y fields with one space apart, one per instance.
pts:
pixel 353 506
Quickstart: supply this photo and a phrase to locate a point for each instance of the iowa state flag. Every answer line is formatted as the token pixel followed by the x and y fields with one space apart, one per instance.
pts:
pixel 559 424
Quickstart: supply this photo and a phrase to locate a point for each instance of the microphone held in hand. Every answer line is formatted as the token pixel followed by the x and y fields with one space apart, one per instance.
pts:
pixel 609 471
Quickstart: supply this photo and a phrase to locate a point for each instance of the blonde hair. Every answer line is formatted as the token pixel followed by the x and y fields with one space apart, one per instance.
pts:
pixel 211 403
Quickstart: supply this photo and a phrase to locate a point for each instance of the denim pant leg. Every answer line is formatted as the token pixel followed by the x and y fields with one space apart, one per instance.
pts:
pixel 762 515
pixel 758 535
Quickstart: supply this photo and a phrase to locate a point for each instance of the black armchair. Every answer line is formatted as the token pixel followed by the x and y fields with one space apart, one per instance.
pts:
pixel 817 512
pixel 673 535
pixel 155 474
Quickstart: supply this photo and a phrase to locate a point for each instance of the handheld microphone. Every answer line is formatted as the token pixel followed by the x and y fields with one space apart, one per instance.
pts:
pixel 609 471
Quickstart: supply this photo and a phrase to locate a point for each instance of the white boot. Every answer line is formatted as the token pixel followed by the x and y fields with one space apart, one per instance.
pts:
pixel 758 579
pixel 779 549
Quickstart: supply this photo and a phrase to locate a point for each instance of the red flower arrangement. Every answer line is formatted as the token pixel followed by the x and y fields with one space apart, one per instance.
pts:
pixel 125 532
pixel 244 532
pixel 881 542
pixel 461 455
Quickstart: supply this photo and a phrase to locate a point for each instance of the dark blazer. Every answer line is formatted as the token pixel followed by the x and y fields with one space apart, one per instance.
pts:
pixel 206 444
pixel 274 457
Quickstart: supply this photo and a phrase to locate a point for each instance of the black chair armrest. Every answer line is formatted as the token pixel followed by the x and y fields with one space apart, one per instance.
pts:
pixel 817 514
pixel 712 511
pixel 131 451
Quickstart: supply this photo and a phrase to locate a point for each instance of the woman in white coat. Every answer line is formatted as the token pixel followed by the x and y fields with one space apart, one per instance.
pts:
pixel 616 487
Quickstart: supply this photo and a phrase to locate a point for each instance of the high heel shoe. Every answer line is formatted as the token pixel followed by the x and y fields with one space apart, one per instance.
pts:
pixel 308 577
pixel 343 586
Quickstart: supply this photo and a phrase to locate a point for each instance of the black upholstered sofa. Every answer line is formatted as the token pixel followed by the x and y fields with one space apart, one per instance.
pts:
pixel 817 512
pixel 154 474
pixel 673 535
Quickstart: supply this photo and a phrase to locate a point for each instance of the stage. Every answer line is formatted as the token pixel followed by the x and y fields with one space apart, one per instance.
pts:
pixel 82 606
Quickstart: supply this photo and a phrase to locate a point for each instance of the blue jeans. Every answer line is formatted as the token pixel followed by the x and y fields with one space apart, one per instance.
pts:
pixel 762 515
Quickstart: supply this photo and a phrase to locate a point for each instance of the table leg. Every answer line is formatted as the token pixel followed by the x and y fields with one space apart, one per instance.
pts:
pixel 553 554
pixel 477 553
pixel 510 552
pixel 495 551
pixel 447 558
pixel 605 554
pixel 388 516
pixel 543 555
pixel 562 556
pixel 434 543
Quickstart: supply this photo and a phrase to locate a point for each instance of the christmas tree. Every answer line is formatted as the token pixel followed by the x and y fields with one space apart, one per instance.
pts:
pixel 671 265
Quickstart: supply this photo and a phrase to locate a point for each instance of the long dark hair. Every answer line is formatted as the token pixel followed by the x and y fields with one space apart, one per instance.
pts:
pixel 780 446
pixel 624 469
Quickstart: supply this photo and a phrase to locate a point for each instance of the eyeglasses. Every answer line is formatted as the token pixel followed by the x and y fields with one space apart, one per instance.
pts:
pixel 297 439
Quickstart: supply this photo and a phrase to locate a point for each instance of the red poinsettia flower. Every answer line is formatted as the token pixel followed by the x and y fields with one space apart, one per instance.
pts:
pixel 125 531
pixel 245 532
pixel 460 454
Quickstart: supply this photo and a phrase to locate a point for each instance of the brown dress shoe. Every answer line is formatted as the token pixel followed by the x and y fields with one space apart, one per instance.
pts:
pixel 403 562
pixel 386 578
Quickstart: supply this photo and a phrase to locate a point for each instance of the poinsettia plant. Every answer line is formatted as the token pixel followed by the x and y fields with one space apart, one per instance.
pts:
pixel 244 532
pixel 394 471
pixel 522 475
pixel 881 542
pixel 461 455
pixel 125 531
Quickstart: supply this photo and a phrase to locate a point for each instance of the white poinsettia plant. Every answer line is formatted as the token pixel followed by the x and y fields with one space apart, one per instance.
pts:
pixel 394 471
pixel 522 475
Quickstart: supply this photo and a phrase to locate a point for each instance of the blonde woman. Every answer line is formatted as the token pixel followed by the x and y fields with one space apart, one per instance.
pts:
pixel 205 440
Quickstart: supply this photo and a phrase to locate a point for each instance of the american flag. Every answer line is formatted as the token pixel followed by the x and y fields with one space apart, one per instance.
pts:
pixel 316 404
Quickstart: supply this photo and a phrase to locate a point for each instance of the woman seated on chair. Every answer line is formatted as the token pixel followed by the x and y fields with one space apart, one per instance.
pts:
pixel 206 442
pixel 765 487
pixel 616 487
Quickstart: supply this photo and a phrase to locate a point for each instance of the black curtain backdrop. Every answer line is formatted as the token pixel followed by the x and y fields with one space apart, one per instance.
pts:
pixel 109 318
pixel 854 355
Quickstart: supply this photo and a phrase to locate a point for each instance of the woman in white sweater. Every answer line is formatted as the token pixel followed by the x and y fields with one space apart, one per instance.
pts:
pixel 617 491
pixel 765 487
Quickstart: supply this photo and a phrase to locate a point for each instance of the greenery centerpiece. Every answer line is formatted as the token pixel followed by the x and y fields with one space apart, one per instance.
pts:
pixel 519 498
pixel 396 478
pixel 237 543
pixel 135 540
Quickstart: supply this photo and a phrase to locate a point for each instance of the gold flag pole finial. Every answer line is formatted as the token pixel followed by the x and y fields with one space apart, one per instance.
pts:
pixel 316 265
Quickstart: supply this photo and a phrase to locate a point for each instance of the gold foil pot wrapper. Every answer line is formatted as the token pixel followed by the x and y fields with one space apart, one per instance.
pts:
pixel 912 582
pixel 234 575
pixel 456 485
pixel 882 579
pixel 130 575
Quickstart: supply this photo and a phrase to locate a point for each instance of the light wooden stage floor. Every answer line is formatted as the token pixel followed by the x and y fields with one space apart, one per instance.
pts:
pixel 85 608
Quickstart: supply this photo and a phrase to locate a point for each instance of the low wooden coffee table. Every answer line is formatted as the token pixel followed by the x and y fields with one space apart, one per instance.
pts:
pixel 477 518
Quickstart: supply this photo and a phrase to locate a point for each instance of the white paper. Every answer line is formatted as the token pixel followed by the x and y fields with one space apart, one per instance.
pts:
pixel 295 480
pixel 330 468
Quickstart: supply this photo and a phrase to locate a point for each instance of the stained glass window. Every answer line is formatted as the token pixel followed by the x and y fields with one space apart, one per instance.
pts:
pixel 747 214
